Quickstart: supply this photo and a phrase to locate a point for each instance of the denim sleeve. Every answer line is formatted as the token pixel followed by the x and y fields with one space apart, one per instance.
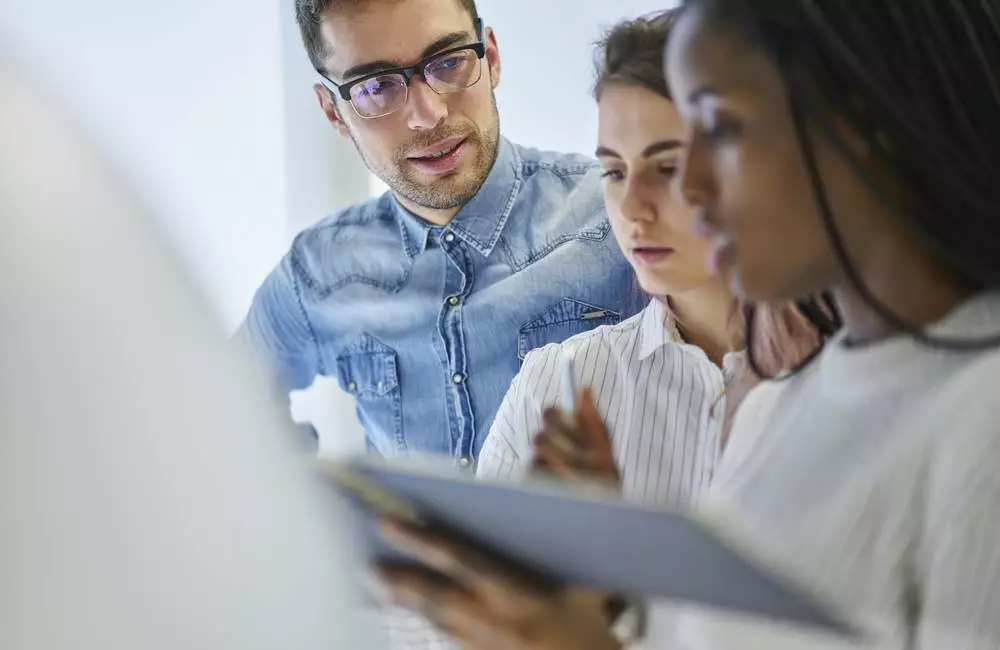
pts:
pixel 277 333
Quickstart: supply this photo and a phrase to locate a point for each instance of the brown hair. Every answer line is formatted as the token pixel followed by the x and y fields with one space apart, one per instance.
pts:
pixel 309 15
pixel 631 53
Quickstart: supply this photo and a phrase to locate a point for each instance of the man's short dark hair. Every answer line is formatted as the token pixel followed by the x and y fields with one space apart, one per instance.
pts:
pixel 309 14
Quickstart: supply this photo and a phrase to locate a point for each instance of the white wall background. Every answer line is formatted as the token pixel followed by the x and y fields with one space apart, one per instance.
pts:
pixel 546 47
pixel 187 94
pixel 208 105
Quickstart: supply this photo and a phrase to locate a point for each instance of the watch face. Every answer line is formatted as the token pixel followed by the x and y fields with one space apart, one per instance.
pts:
pixel 628 625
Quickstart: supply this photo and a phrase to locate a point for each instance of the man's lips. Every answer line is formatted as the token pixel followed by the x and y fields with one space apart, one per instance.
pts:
pixel 437 150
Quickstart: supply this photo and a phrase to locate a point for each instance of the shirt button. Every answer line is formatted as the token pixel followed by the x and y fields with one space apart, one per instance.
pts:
pixel 464 462
pixel 454 300
pixel 449 237
pixel 459 378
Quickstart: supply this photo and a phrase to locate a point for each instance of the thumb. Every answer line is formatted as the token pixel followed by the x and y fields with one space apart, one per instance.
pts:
pixel 591 422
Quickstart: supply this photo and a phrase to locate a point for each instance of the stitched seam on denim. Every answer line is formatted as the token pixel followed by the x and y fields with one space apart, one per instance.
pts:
pixel 591 234
pixel 524 329
pixel 618 330
pixel 562 171
pixel 300 270
pixel 320 363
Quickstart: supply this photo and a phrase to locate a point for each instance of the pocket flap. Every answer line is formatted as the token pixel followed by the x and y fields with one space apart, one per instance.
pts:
pixel 564 319
pixel 368 367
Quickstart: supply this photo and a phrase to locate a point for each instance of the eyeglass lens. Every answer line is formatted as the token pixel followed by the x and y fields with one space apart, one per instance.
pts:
pixel 384 94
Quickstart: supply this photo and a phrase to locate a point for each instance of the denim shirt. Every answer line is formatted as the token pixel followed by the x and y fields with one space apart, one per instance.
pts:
pixel 426 326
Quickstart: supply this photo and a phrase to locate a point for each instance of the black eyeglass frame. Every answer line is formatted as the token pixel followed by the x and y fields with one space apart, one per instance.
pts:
pixel 344 89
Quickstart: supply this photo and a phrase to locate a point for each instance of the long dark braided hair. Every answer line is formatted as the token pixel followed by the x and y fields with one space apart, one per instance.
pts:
pixel 920 81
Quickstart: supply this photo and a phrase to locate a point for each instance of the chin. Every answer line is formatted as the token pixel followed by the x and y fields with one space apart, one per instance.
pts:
pixel 765 287
pixel 657 286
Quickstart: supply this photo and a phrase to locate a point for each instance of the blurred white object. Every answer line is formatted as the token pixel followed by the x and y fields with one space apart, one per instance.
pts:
pixel 150 496
pixel 330 410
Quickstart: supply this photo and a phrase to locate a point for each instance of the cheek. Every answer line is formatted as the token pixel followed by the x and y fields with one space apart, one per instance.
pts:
pixel 381 139
pixel 782 247
pixel 612 205
pixel 475 102
pixel 680 218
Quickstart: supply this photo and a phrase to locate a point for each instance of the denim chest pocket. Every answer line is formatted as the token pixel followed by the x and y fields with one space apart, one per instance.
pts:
pixel 367 370
pixel 559 322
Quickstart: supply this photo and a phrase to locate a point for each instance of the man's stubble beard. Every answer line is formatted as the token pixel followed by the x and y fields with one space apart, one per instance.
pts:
pixel 452 191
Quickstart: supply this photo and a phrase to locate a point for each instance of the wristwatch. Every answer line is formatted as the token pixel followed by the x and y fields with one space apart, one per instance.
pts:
pixel 627 620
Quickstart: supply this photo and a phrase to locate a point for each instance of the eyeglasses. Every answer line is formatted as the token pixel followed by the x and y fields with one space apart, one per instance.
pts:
pixel 385 92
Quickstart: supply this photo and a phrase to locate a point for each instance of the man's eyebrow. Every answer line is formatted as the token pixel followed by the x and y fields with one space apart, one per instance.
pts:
pixel 443 43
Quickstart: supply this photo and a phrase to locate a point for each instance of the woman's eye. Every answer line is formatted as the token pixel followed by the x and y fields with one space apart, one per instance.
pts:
pixel 669 170
pixel 613 175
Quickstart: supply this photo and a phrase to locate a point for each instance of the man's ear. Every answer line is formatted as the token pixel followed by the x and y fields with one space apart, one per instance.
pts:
pixel 328 105
pixel 492 56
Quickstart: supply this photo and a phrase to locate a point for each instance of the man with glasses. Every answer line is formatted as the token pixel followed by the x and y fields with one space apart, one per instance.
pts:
pixel 423 302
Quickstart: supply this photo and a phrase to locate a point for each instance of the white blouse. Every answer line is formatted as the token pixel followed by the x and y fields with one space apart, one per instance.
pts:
pixel 873 478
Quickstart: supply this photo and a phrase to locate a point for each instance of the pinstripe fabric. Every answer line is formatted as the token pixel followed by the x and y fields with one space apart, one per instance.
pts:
pixel 661 399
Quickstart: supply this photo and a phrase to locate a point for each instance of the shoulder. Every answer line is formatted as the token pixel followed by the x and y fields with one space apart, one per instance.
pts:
pixel 963 423
pixel 560 200
pixel 574 175
pixel 568 165
pixel 352 243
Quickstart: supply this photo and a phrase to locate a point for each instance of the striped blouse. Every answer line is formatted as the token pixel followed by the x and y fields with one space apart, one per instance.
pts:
pixel 661 398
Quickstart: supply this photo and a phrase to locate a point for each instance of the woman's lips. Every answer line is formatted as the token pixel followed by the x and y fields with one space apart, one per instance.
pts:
pixel 651 255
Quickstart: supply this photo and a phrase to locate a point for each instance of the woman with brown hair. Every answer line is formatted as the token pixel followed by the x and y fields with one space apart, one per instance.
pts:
pixel 666 381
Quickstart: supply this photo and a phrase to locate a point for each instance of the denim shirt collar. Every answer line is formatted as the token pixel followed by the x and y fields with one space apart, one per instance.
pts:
pixel 479 222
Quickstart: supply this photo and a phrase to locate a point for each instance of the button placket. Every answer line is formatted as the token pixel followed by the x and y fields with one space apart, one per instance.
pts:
pixel 460 268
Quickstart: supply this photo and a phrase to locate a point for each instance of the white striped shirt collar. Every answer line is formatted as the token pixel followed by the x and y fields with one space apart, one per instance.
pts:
pixel 658 327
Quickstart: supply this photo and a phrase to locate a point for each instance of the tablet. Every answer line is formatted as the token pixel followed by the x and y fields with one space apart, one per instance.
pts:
pixel 586 537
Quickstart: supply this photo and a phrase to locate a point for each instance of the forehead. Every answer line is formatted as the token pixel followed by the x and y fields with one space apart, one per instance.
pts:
pixel 628 112
pixel 395 31
pixel 703 56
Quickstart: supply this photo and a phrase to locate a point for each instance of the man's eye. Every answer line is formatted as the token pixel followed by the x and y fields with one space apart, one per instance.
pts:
pixel 448 63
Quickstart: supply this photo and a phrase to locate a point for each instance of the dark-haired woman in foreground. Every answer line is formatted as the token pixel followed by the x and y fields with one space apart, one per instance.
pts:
pixel 849 147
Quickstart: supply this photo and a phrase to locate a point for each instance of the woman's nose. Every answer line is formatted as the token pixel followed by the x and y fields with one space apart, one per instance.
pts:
pixel 638 204
pixel 694 181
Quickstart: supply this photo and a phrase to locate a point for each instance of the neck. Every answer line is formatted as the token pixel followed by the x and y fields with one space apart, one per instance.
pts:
pixel 703 317
pixel 917 289
pixel 431 215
